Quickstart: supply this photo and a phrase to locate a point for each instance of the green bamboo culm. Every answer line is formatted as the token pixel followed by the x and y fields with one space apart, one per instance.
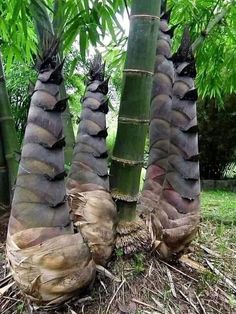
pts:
pixel 8 131
pixel 4 185
pixel 127 159
pixel 46 30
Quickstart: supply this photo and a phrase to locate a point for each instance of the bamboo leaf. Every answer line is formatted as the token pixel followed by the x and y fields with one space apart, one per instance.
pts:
pixel 24 20
pixel 73 65
pixel 71 33
pixel 83 43
pixel 86 5
pixel 110 27
pixel 15 13
pixel 9 59
pixel 93 35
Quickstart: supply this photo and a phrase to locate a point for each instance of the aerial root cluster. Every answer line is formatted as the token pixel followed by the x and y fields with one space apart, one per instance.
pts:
pixel 133 237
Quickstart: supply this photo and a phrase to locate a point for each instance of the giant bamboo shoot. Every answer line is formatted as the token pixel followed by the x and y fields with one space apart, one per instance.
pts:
pixel 48 260
pixel 88 183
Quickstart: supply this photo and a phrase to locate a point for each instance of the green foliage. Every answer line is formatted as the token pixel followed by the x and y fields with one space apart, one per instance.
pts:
pixel 215 57
pixel 138 263
pixel 232 301
pixel 74 73
pixel 217 136
pixel 111 142
pixel 115 59
pixel 119 253
pixel 75 87
pixel 18 81
pixel 219 206
pixel 91 20
pixel 205 279
pixel 20 308
pixel 17 35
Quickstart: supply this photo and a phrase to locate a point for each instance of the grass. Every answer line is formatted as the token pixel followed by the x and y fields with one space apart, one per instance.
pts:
pixel 219 206
pixel 218 231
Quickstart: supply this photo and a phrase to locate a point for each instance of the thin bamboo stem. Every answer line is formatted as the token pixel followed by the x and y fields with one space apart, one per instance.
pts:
pixel 4 184
pixel 8 131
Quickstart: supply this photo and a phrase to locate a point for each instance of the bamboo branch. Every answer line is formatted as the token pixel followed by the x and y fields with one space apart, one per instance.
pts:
pixel 127 9
pixel 218 18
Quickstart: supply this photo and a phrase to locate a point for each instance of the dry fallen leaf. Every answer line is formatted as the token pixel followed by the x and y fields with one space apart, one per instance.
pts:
pixel 193 264
pixel 6 288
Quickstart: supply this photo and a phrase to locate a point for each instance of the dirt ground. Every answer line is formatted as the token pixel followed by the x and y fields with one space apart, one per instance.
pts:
pixel 203 281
